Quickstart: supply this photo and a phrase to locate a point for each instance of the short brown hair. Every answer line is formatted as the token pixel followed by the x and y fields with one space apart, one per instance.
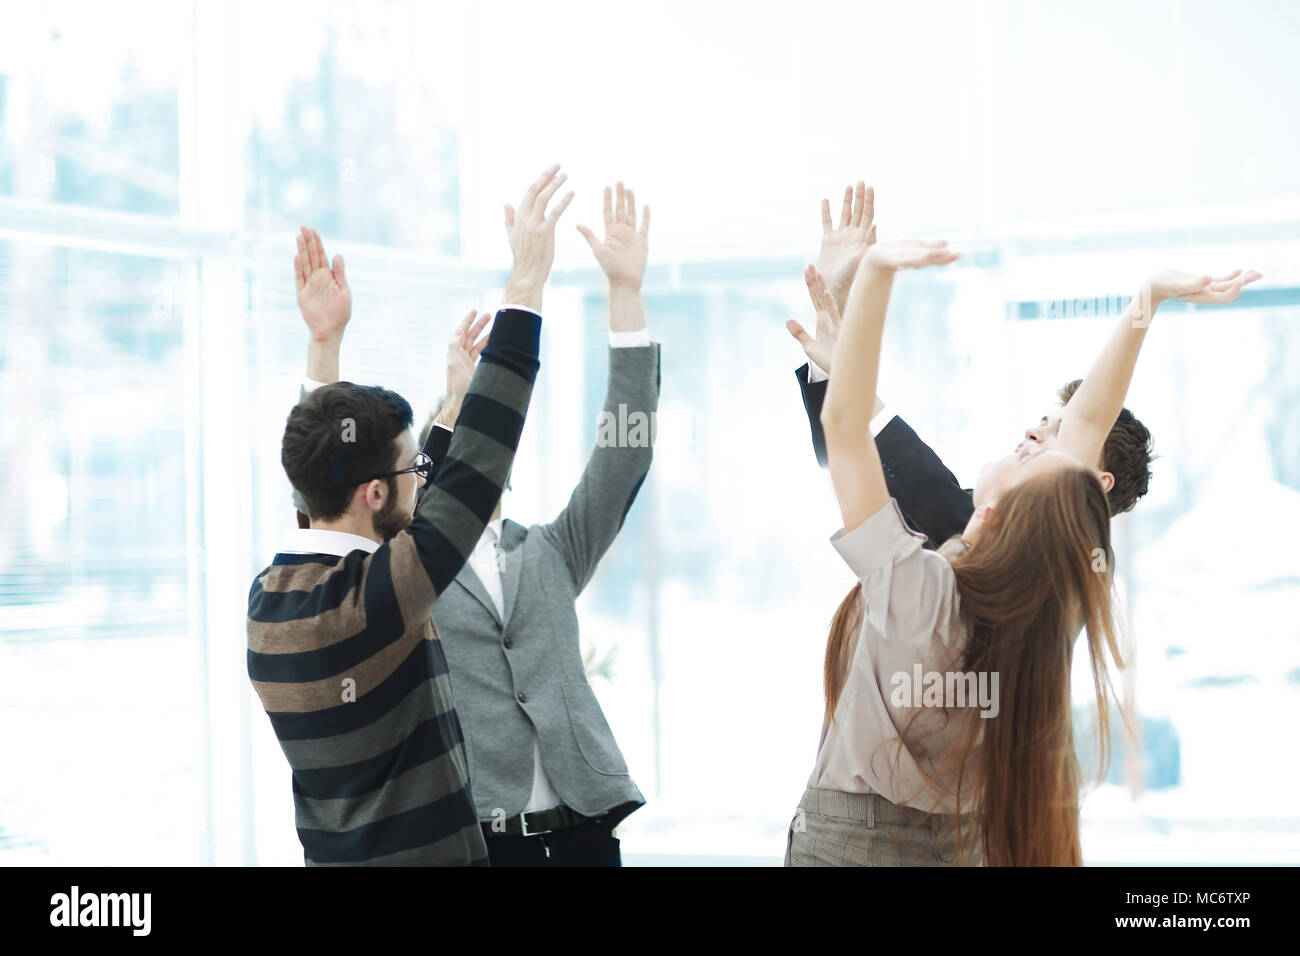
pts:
pixel 1127 455
pixel 325 461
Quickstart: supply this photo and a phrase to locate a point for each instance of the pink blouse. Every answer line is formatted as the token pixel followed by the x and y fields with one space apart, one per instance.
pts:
pixel 905 668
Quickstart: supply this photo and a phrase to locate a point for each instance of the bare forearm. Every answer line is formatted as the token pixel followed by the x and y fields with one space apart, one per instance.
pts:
pixel 526 290
pixel 841 293
pixel 876 409
pixel 857 356
pixel 323 359
pixel 626 308
pixel 1094 408
pixel 854 460
pixel 449 410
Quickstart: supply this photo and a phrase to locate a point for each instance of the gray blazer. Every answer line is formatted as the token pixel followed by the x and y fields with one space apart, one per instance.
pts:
pixel 527 669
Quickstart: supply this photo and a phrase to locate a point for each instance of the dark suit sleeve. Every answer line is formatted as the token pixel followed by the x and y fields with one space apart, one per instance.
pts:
pixel 927 492
pixel 814 395
pixel 435 449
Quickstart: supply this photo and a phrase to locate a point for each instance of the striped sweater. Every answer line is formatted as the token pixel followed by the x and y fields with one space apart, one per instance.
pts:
pixel 382 778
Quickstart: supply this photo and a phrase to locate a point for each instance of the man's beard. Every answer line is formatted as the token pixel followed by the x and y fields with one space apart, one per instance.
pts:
pixel 391 519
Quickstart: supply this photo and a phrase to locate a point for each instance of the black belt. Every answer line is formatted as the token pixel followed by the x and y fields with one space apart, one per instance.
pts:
pixel 536 822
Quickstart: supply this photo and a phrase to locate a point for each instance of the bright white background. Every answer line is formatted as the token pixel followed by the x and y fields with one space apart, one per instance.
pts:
pixel 157 157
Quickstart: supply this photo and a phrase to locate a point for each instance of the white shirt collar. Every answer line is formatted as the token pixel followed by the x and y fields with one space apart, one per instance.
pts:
pixel 340 543
pixel 320 541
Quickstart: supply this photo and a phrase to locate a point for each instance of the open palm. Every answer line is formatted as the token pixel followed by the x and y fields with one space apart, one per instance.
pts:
pixel 1201 289
pixel 324 298
pixel 843 247
pixel 821 347
pixel 622 256
pixel 909 254
pixel 467 344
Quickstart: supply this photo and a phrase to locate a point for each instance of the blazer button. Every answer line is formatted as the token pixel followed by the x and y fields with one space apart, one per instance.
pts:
pixel 509 643
pixel 889 472
pixel 523 698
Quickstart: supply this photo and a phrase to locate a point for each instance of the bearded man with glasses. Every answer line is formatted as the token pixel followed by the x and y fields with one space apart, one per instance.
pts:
pixel 342 649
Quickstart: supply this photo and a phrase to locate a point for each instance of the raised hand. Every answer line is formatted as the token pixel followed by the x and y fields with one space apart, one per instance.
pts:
pixel 622 255
pixel 532 237
pixel 819 348
pixel 1202 289
pixel 843 247
pixel 324 298
pixel 463 351
pixel 908 254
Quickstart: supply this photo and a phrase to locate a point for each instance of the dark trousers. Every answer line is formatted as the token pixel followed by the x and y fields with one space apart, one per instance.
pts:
pixel 587 844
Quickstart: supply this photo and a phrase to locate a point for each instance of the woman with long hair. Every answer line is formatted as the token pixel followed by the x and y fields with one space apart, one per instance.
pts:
pixel 948 735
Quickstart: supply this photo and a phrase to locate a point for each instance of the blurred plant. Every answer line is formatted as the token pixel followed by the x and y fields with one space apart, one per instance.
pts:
pixel 604 667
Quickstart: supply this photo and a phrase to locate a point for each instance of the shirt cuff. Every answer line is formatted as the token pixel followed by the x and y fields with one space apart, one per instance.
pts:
pixel 880 420
pixel 627 340
pixel 815 373
pixel 520 308
pixel 310 384
pixel 442 426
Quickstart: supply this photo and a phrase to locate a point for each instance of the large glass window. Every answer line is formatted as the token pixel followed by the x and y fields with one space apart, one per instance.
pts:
pixel 98 561
pixel 155 164
pixel 90 106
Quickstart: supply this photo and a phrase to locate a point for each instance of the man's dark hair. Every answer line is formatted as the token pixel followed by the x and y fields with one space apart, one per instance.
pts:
pixel 338 436
pixel 1127 455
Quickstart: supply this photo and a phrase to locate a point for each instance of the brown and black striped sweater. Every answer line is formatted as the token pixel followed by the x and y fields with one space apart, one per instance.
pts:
pixel 382 778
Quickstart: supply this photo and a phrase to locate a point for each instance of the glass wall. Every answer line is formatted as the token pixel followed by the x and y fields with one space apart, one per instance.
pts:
pixel 153 169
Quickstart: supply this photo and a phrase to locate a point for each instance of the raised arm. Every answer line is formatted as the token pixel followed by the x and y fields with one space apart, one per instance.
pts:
pixel 1092 411
pixel 459 501
pixel 531 232
pixel 325 302
pixel 856 472
pixel 820 348
pixel 622 257
pixel 838 259
pixel 456 505
pixel 466 345
pixel 588 524
pixel 463 351
pixel 844 246
pixel 841 251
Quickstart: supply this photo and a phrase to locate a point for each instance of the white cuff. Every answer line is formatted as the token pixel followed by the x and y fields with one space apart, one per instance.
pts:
pixel 880 420
pixel 521 308
pixel 310 384
pixel 815 373
pixel 627 340
pixel 442 426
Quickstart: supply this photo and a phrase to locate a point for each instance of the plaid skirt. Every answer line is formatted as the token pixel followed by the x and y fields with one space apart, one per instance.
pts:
pixel 832 828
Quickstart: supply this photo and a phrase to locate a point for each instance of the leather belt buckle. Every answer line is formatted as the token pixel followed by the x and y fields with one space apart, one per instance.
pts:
pixel 523 826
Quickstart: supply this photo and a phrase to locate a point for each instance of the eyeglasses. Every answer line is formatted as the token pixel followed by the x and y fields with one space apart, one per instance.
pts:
pixel 423 467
